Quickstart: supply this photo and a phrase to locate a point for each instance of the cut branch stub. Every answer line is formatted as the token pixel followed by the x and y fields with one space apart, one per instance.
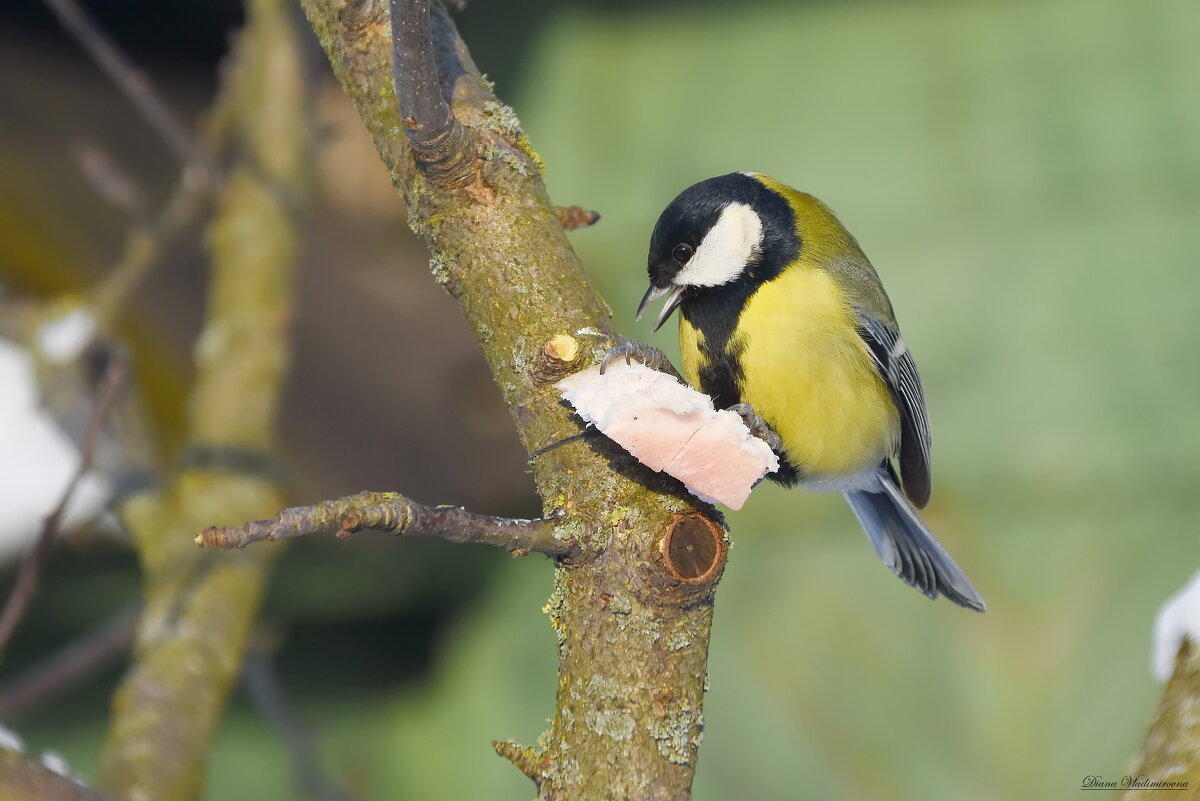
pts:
pixel 691 551
pixel 632 635
pixel 558 358
pixel 693 548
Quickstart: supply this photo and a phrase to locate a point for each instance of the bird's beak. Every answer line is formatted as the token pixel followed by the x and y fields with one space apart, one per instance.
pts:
pixel 674 294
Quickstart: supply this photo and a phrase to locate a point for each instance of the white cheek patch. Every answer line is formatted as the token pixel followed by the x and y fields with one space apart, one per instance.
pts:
pixel 726 250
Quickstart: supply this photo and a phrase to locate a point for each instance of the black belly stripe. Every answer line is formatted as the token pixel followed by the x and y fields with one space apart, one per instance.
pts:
pixel 720 372
pixel 714 311
pixel 715 315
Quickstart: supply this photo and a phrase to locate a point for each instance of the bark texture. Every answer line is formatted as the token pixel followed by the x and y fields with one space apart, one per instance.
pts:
pixel 200 605
pixel 391 512
pixel 1171 751
pixel 632 629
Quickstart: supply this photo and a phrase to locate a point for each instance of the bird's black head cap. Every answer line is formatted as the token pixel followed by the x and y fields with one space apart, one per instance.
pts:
pixel 691 216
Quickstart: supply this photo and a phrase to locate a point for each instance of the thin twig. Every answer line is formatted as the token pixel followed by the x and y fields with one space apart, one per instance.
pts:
pixel 71 664
pixel 442 145
pixel 144 244
pixel 262 685
pixel 572 217
pixel 110 182
pixel 21 595
pixel 128 78
pixel 165 713
pixel 391 512
pixel 147 239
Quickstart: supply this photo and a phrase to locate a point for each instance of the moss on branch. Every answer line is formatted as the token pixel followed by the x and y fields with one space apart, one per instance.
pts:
pixel 1171 750
pixel 633 639
pixel 392 512
pixel 199 606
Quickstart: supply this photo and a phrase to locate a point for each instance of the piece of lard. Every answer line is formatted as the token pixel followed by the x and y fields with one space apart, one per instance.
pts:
pixel 672 428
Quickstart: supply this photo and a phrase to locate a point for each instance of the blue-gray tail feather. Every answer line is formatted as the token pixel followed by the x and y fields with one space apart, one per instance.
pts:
pixel 908 547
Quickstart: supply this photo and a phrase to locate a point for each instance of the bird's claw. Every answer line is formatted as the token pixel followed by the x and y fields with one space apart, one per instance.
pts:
pixel 648 355
pixel 758 426
pixel 614 353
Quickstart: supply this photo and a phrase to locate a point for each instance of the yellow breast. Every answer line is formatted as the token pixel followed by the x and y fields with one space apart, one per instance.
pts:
pixel 690 340
pixel 808 374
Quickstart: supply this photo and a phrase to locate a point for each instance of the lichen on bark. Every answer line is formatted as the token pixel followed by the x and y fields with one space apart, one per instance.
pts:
pixel 1171 750
pixel 200 606
pixel 632 634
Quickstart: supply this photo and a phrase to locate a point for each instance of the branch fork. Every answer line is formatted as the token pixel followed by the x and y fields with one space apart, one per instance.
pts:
pixel 632 620
pixel 445 150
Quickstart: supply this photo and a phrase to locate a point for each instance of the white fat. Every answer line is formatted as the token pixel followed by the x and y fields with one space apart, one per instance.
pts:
pixel 672 428
pixel 1178 618
pixel 726 249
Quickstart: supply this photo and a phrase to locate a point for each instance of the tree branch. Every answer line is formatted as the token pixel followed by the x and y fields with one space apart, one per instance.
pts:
pixel 70 665
pixel 443 148
pixel 132 82
pixel 149 236
pixel 1171 750
pixel 572 217
pixel 144 243
pixel 393 513
pixel 628 717
pixel 110 182
pixel 200 607
pixel 262 685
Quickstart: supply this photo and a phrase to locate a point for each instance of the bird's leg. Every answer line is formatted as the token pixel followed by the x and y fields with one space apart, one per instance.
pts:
pixel 648 355
pixel 758 426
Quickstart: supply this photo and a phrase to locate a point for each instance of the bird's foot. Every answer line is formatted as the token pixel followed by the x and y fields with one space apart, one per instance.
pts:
pixel 758 426
pixel 648 355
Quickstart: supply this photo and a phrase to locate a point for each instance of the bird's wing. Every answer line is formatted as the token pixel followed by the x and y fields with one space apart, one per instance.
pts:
pixel 899 371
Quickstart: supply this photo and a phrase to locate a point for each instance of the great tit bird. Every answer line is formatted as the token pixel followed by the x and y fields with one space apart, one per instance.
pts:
pixel 780 309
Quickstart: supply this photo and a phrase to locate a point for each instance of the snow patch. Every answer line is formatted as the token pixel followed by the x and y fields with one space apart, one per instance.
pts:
pixel 52 760
pixel 1178 618
pixel 10 740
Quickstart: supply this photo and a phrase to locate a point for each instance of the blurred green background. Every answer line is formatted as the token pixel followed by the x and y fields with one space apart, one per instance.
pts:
pixel 1026 178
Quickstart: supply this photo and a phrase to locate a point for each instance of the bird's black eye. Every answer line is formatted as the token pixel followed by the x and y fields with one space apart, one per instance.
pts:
pixel 682 252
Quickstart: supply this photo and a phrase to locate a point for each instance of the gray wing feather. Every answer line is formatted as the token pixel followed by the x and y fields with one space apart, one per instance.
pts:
pixel 898 369
pixel 906 545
